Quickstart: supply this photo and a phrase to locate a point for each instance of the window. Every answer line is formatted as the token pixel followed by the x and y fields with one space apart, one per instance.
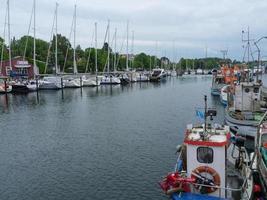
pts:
pixel 256 90
pixel 204 155
pixel 247 90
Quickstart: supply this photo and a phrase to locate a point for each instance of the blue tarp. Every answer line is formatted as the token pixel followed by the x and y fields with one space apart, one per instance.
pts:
pixel 191 196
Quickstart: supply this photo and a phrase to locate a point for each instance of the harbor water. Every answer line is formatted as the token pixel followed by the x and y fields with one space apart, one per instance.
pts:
pixel 111 142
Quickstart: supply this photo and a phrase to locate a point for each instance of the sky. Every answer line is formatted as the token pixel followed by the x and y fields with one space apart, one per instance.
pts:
pixel 172 28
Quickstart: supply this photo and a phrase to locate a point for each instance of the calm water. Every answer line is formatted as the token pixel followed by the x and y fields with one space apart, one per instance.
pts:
pixel 110 143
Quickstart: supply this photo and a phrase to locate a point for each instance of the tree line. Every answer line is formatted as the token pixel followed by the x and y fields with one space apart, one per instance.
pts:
pixel 45 57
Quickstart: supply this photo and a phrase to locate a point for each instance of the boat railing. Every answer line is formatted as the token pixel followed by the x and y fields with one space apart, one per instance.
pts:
pixel 243 192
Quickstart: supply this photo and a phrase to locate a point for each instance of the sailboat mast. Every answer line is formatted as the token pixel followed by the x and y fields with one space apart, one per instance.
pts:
pixel 34 38
pixel 115 49
pixel 74 43
pixel 132 50
pixel 9 38
pixel 108 44
pixel 56 61
pixel 96 70
pixel 127 46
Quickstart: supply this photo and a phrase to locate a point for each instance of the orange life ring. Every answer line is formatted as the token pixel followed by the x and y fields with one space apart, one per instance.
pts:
pixel 208 170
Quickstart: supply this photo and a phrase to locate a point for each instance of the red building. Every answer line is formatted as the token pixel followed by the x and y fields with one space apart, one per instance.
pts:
pixel 19 68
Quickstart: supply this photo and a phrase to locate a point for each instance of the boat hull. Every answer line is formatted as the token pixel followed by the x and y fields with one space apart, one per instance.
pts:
pixel 247 128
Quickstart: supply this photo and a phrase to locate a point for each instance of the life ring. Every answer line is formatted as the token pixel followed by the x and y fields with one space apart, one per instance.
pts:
pixel 213 179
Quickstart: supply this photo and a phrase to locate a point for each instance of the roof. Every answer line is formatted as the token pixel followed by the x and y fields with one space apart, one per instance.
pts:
pixel 215 137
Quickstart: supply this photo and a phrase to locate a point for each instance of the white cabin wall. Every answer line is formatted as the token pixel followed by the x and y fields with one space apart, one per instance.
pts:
pixel 219 162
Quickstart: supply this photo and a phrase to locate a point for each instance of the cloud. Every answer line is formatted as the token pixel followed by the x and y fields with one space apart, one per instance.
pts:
pixel 192 24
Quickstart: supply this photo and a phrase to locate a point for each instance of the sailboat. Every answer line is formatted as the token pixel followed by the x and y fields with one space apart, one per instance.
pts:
pixel 125 79
pixel 53 82
pixel 70 81
pixel 109 78
pixel 4 86
pixel 23 86
pixel 91 82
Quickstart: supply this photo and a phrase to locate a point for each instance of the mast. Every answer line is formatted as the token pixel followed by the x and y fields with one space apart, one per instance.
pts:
pixel 74 43
pixel 108 44
pixel 132 50
pixel 34 38
pixel 56 62
pixel 96 70
pixel 115 49
pixel 9 38
pixel 127 46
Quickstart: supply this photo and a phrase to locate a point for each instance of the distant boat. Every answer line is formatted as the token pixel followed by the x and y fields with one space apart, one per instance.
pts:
pixel 110 80
pixel 124 78
pixel 141 77
pixel 173 73
pixel 51 83
pixel 73 82
pixel 218 83
pixel 157 75
pixel 224 95
pixel 24 87
pixel 5 87
pixel 200 71
pixel 90 82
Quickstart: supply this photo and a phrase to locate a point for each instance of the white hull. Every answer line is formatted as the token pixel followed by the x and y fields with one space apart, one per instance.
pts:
pixel 142 78
pixel 173 73
pixel 2 88
pixel 73 83
pixel 91 82
pixel 108 80
pixel 50 83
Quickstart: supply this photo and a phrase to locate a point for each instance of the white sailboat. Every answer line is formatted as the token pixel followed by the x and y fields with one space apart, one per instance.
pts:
pixel 109 78
pixel 73 82
pixel 4 86
pixel 53 82
pixel 91 82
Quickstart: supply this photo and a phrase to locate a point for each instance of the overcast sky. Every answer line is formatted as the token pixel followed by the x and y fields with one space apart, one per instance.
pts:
pixel 192 25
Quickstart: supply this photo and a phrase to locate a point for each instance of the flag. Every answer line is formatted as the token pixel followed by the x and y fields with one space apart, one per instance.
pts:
pixel 200 114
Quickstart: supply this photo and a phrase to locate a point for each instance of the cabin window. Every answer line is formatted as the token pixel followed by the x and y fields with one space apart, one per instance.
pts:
pixel 204 155
pixel 247 90
pixel 256 90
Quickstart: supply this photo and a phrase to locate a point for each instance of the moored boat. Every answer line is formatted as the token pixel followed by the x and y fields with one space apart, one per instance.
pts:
pixel 244 109
pixel 51 83
pixel 5 87
pixel 224 95
pixel 211 165
pixel 109 79
pixel 158 75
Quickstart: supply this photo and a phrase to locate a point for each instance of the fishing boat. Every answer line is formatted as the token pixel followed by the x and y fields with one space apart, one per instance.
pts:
pixel 261 153
pixel 157 75
pixel 227 75
pixel 244 109
pixel 211 165
pixel 218 83
pixel 224 95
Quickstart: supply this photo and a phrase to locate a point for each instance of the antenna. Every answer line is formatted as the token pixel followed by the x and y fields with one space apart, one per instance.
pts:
pixel 247 40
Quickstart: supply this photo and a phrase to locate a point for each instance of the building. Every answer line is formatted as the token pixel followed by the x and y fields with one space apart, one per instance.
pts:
pixel 19 68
